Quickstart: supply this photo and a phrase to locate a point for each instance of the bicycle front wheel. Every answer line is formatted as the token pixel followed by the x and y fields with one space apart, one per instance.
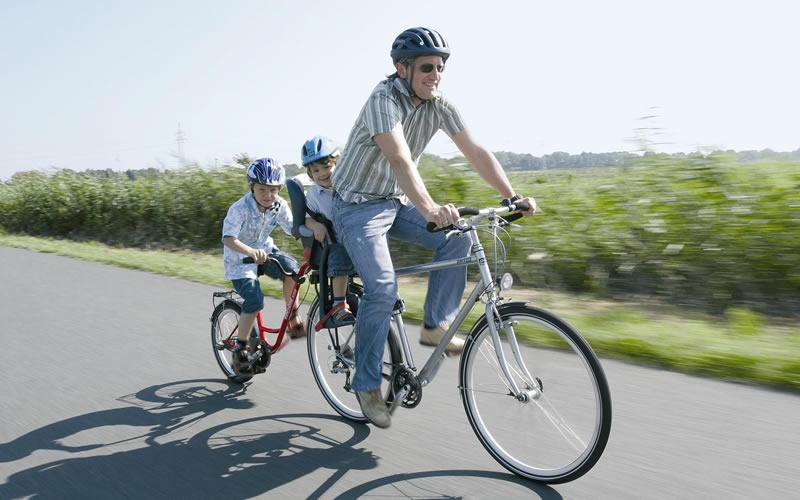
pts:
pixel 331 353
pixel 557 431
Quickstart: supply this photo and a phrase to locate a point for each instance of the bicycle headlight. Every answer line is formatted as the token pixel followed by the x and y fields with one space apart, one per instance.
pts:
pixel 506 281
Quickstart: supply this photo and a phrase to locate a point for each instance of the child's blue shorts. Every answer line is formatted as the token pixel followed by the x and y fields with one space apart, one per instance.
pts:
pixel 250 289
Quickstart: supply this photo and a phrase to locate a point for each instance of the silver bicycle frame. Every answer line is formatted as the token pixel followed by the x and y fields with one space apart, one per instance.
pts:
pixel 484 285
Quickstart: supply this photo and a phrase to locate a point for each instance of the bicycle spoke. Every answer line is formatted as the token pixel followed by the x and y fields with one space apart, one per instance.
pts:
pixel 561 425
pixel 333 369
pixel 558 426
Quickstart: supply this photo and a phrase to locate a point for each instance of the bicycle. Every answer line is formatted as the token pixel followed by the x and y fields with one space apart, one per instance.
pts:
pixel 225 325
pixel 544 413
pixel 228 304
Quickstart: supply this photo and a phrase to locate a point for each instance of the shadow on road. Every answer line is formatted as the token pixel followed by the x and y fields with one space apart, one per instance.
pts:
pixel 149 450
pixel 413 485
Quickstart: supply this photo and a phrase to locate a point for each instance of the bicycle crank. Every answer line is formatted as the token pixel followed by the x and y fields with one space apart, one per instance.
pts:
pixel 406 389
pixel 260 355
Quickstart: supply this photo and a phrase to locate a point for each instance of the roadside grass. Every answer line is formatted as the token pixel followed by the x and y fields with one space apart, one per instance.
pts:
pixel 742 346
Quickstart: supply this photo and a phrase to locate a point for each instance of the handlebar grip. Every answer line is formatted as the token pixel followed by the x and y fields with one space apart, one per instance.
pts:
pixel 291 274
pixel 521 206
pixel 462 211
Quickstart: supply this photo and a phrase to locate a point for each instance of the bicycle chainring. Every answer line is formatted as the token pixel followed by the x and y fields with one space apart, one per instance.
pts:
pixel 405 377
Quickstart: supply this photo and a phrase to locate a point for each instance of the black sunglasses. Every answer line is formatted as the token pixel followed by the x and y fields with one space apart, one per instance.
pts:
pixel 427 68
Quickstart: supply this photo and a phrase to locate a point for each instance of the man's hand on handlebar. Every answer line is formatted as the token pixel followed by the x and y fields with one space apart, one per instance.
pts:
pixel 523 204
pixel 443 215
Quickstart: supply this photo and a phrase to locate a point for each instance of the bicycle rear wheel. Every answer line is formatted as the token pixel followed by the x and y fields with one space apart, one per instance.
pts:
pixel 224 323
pixel 559 433
pixel 331 353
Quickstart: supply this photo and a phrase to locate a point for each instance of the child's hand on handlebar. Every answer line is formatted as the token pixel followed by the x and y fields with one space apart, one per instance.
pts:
pixel 258 255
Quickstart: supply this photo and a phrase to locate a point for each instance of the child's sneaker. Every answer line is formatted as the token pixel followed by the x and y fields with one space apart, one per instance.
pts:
pixel 239 358
pixel 339 316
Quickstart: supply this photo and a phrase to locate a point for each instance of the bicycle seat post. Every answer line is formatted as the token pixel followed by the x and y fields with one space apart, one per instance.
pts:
pixel 397 317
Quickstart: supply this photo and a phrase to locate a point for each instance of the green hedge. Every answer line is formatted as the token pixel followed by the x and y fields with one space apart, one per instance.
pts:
pixel 704 231
pixel 181 208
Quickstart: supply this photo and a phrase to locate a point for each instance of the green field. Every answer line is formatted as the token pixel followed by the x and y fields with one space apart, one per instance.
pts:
pixel 691 263
pixel 742 346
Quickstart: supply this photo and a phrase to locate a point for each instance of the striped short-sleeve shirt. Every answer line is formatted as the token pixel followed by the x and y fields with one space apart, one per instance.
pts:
pixel 363 173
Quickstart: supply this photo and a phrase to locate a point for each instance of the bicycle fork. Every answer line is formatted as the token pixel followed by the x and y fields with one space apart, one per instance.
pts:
pixel 533 389
pixel 495 323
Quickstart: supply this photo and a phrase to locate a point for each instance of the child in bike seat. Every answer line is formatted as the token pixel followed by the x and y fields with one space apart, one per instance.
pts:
pixel 319 157
pixel 246 233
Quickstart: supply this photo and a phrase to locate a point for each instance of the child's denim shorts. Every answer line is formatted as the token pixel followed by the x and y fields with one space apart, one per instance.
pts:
pixel 250 289
pixel 339 263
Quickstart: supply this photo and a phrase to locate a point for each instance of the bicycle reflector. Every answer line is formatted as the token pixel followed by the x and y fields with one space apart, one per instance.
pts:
pixel 506 281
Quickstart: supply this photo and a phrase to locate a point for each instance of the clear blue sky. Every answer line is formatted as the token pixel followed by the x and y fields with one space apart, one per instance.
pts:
pixel 97 84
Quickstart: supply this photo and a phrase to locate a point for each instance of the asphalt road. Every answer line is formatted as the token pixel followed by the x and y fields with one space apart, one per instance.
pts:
pixel 110 389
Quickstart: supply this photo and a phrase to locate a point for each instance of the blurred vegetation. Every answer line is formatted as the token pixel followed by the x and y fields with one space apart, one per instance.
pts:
pixel 646 140
pixel 704 234
pixel 709 232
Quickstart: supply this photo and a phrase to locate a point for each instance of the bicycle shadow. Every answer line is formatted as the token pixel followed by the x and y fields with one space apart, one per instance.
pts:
pixel 166 415
pixel 414 485
pixel 161 459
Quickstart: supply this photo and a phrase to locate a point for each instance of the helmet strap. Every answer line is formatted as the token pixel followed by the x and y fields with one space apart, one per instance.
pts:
pixel 407 82
pixel 273 206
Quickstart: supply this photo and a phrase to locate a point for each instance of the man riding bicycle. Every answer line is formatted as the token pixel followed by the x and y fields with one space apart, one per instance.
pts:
pixel 380 193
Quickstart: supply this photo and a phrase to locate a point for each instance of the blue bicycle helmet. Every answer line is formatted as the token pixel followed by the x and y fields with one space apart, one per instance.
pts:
pixel 318 148
pixel 266 171
pixel 415 42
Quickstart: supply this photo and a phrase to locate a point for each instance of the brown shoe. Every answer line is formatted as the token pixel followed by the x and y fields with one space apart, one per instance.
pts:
pixel 296 327
pixel 374 408
pixel 432 336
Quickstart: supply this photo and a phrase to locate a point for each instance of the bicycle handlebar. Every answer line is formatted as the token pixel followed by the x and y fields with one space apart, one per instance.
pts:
pixel 295 277
pixel 462 211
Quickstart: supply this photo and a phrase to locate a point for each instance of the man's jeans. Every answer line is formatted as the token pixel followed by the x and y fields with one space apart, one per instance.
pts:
pixel 363 228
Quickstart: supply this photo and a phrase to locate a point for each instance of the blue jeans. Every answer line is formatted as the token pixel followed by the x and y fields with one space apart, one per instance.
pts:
pixel 363 229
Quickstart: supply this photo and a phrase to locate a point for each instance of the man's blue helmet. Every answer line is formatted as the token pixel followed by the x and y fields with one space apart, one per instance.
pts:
pixel 266 171
pixel 318 148
pixel 415 42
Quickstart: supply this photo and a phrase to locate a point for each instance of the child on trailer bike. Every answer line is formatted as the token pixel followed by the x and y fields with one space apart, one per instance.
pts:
pixel 246 233
pixel 319 156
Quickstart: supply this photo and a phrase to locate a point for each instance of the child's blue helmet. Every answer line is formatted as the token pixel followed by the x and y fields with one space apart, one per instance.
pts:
pixel 415 42
pixel 266 171
pixel 318 148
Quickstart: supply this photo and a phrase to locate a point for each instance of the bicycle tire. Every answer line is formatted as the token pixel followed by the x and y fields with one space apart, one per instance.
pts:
pixel 223 320
pixel 333 372
pixel 554 437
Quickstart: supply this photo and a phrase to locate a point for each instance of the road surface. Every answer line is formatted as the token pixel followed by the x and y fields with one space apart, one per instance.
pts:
pixel 110 389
